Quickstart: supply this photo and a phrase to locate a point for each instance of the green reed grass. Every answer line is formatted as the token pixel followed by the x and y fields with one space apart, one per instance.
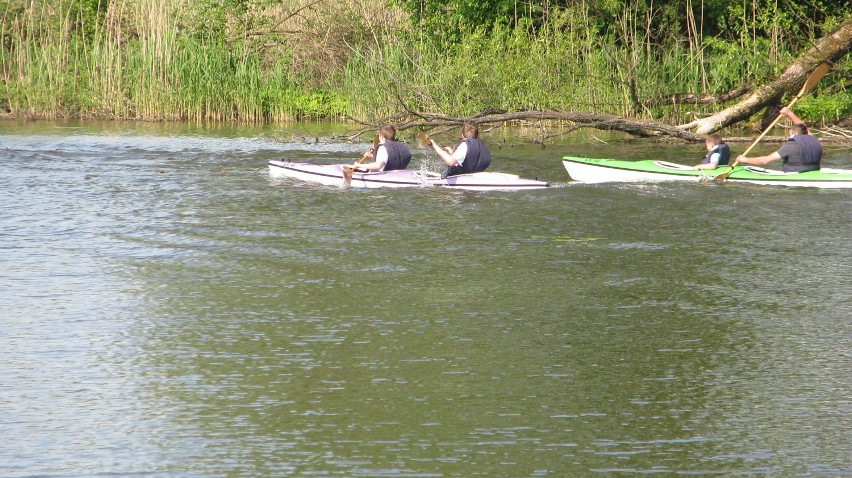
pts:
pixel 560 66
pixel 135 60
pixel 136 65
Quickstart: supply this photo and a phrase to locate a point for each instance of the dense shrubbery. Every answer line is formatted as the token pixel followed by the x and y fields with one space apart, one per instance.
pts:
pixel 270 60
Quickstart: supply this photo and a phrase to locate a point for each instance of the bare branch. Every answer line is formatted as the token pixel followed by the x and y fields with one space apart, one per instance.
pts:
pixel 408 120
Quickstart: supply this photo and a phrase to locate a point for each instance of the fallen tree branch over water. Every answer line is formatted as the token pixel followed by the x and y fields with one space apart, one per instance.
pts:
pixel 834 133
pixel 645 129
pixel 830 48
pixel 553 124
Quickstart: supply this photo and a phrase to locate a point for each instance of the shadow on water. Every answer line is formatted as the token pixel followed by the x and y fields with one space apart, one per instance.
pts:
pixel 213 321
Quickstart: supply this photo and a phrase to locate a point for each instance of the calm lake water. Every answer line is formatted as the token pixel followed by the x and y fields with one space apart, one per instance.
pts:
pixel 168 310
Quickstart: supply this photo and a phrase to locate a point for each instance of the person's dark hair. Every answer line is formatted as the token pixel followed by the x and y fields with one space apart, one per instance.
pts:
pixel 470 130
pixel 388 132
pixel 799 128
pixel 714 139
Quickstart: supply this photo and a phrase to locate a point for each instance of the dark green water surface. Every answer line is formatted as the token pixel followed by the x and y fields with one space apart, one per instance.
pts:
pixel 168 310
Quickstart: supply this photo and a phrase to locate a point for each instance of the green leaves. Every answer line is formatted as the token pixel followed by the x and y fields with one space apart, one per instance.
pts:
pixel 445 19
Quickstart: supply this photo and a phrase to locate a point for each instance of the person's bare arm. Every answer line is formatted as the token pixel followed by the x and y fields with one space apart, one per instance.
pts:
pixel 444 154
pixel 789 113
pixel 759 160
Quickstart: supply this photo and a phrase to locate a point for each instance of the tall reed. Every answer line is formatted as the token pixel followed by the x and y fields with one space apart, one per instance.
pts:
pixel 146 59
pixel 135 64
pixel 561 65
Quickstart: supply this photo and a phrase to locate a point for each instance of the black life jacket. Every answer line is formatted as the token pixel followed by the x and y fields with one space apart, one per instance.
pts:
pixel 478 157
pixel 809 158
pixel 398 155
pixel 724 154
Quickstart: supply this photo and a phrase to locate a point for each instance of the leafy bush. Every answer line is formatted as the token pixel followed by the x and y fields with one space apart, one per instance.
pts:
pixel 825 108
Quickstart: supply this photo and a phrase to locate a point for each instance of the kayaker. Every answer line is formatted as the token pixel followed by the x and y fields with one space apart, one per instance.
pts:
pixel 469 156
pixel 802 152
pixel 390 154
pixel 718 153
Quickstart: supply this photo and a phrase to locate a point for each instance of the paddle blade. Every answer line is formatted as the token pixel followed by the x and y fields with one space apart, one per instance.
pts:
pixel 347 174
pixel 724 175
pixel 816 75
pixel 348 170
pixel 422 140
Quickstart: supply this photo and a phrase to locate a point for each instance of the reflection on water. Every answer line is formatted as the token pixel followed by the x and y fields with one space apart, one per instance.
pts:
pixel 169 310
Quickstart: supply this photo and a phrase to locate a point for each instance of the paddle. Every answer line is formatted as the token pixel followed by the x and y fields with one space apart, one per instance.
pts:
pixel 812 80
pixel 423 140
pixel 348 170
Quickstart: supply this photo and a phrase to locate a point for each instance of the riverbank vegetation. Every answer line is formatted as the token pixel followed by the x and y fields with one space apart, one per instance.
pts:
pixel 283 60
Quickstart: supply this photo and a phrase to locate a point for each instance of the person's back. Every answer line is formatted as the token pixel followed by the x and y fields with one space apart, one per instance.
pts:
pixel 477 157
pixel 388 155
pixel 469 156
pixel 398 155
pixel 802 152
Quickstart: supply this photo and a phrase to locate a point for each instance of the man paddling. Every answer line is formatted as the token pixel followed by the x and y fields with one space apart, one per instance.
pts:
pixel 469 156
pixel 390 154
pixel 802 152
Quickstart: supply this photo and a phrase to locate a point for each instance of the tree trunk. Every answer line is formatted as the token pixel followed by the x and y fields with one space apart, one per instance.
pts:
pixel 827 49
pixel 676 99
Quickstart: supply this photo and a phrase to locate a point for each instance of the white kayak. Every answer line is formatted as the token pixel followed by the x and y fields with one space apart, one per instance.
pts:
pixel 332 175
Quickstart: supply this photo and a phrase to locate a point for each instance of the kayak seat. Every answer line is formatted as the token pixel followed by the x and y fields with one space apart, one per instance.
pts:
pixel 668 165
pixel 758 169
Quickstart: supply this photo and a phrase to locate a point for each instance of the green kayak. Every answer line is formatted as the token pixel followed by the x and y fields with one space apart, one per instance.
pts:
pixel 590 170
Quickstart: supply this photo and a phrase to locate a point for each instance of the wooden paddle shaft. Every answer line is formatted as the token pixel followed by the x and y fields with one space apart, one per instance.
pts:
pixel 812 80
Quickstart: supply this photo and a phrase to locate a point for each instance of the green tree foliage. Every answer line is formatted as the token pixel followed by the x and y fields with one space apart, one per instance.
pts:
pixel 665 20
pixel 442 17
